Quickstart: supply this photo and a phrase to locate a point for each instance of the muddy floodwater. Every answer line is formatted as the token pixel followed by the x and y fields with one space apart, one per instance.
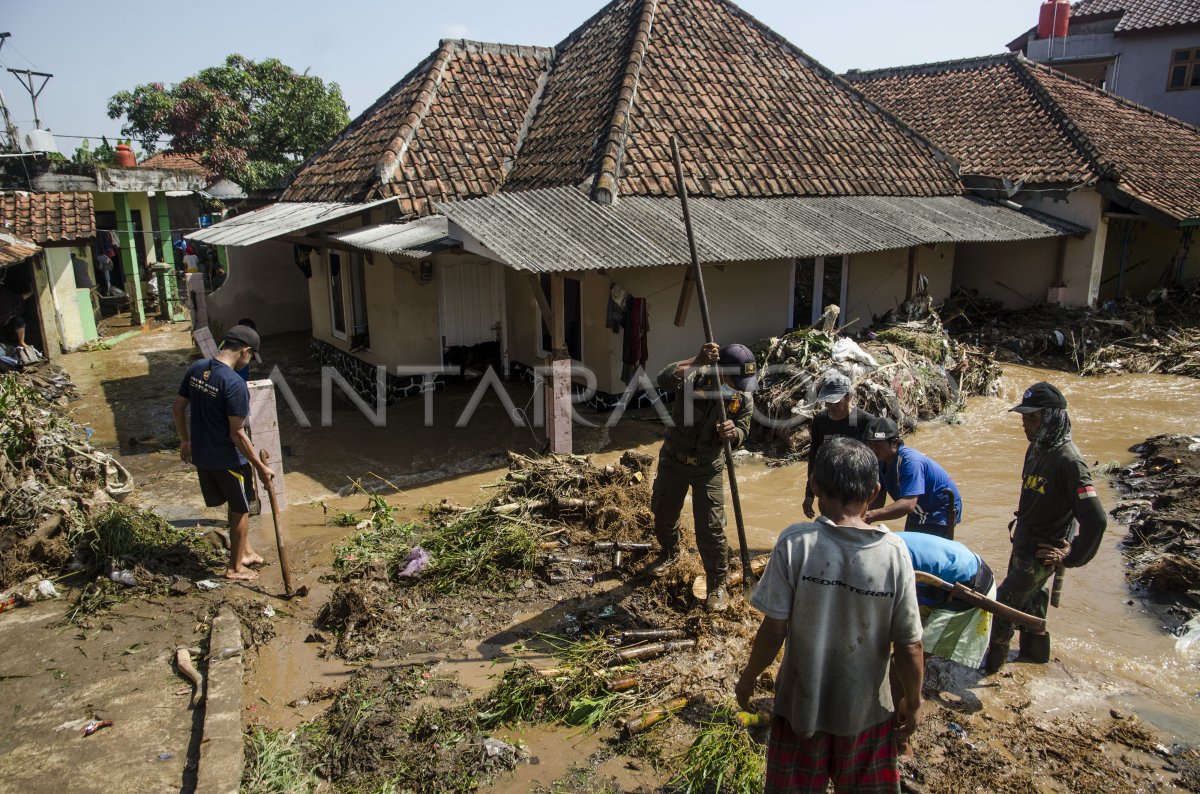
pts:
pixel 1102 632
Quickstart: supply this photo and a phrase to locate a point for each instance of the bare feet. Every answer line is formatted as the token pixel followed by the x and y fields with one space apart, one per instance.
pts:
pixel 244 575
pixel 253 558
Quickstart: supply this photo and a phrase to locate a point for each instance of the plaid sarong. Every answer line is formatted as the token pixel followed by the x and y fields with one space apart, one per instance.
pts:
pixel 865 763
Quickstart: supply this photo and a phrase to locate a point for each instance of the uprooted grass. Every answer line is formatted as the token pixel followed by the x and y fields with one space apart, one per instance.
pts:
pixel 275 765
pixel 724 757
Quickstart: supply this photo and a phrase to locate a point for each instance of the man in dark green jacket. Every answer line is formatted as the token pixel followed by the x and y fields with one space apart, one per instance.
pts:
pixel 692 456
pixel 1057 496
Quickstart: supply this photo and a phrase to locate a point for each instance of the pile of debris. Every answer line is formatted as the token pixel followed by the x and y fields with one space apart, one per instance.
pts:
pixel 909 370
pixel 1161 505
pixel 1160 333
pixel 61 509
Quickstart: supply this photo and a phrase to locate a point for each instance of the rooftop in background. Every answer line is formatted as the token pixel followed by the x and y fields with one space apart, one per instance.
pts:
pixel 14 250
pixel 1140 15
pixel 176 161
pixel 755 115
pixel 42 175
pixel 47 218
pixel 1007 117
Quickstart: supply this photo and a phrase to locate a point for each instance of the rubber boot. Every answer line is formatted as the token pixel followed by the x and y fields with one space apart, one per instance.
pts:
pixel 665 560
pixel 718 598
pixel 997 657
pixel 1034 648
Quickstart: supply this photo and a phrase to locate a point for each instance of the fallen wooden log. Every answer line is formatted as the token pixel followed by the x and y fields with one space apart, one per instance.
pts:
pixel 654 716
pixel 620 545
pixel 642 635
pixel 652 650
pixel 757 566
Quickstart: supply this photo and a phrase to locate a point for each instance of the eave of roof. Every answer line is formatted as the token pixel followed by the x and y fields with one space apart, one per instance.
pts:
pixel 278 220
pixel 561 229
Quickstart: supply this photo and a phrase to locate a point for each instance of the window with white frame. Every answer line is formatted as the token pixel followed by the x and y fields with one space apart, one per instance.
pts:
pixel 337 296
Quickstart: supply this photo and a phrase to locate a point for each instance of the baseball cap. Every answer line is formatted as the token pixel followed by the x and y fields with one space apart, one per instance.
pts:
pixel 738 362
pixel 1038 396
pixel 881 429
pixel 245 336
pixel 834 386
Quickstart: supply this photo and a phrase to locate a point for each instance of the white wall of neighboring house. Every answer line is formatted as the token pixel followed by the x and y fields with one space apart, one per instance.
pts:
pixel 1140 69
pixel 60 311
pixel 265 285
pixel 878 282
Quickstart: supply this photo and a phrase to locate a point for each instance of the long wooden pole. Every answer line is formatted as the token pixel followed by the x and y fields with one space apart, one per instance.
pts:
pixel 698 278
pixel 283 563
pixel 963 593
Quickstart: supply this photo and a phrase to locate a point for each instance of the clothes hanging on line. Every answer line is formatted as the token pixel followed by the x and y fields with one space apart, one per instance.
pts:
pixel 636 342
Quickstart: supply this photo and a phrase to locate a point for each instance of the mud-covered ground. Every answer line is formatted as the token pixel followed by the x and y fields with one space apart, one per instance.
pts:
pixel 398 701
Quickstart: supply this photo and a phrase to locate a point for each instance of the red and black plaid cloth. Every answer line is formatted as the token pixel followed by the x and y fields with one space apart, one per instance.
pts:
pixel 864 764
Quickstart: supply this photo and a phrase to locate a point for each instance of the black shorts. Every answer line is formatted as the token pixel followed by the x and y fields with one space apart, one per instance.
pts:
pixel 235 486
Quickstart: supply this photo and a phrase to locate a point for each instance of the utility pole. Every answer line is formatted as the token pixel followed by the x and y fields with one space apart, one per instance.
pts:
pixel 27 83
pixel 10 130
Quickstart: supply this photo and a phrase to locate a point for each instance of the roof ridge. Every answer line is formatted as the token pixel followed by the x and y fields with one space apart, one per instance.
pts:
pixel 578 32
pixel 499 48
pixel 364 117
pixel 397 148
pixel 821 69
pixel 604 188
pixel 1104 170
pixel 934 67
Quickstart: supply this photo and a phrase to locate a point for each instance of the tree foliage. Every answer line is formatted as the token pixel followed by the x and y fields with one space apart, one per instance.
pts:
pixel 251 122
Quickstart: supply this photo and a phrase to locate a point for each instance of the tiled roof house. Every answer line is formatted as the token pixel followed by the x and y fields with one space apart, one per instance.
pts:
pixel 48 226
pixel 1048 137
pixel 1145 50
pixel 510 162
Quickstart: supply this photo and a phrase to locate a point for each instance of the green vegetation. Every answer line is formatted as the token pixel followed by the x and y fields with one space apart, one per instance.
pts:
pixel 275 765
pixel 723 757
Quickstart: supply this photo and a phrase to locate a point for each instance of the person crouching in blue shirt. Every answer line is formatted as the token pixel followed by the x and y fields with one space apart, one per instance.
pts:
pixel 917 485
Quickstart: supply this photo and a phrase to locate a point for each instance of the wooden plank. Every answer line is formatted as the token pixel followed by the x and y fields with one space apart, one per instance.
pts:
pixel 264 430
pixel 204 341
pixel 543 302
pixel 685 298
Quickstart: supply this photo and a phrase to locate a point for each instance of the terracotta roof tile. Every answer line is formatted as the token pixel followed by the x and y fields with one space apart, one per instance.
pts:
pixel 48 217
pixel 1005 116
pixel 449 129
pixel 744 102
pixel 176 161
pixel 14 249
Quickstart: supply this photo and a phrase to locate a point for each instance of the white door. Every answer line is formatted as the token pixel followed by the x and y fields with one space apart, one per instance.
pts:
pixel 472 295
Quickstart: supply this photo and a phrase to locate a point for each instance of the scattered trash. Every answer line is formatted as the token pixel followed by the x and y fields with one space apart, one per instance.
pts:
pixel 165 756
pixel 269 611
pixel 957 730
pixel 45 591
pixel 95 725
pixel 223 653
pixel 207 584
pixel 418 560
pixel 498 749
pixel 12 602
pixel 609 611
pixel 125 577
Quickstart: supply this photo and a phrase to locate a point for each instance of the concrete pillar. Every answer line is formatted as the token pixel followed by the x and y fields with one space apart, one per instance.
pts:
pixel 264 426
pixel 558 418
pixel 170 308
pixel 129 263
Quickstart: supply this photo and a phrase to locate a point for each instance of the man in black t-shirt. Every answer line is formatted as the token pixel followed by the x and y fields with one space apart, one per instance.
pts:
pixel 840 418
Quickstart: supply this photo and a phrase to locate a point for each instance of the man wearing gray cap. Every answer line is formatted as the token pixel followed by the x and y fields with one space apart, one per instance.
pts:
pixel 215 440
pixel 840 417
pixel 1056 496
pixel 692 456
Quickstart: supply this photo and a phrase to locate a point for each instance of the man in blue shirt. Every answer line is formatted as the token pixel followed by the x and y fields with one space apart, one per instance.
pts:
pixel 216 442
pixel 917 484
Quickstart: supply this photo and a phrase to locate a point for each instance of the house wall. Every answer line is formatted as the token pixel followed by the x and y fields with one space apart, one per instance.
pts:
pixel 1023 273
pixel 53 271
pixel 402 315
pixel 1017 274
pixel 1141 69
pixel 878 282
pixel 265 285
pixel 1153 249
pixel 103 202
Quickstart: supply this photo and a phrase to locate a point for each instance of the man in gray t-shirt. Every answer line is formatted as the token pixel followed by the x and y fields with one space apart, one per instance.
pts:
pixel 851 589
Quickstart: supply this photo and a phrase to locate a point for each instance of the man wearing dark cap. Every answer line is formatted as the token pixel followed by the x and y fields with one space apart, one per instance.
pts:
pixel 216 441
pixel 1057 496
pixel 921 490
pixel 840 417
pixel 692 456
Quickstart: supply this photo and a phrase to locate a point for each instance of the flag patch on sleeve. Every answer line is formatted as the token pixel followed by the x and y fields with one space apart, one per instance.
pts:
pixel 1087 492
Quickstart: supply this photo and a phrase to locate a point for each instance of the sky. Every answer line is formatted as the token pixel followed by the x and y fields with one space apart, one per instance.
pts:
pixel 366 46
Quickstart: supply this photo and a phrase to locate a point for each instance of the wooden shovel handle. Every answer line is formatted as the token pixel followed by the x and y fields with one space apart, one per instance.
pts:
pixel 283 564
pixel 964 593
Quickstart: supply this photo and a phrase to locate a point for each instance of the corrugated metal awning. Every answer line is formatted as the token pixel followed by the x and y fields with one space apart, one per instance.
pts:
pixel 562 229
pixel 417 239
pixel 14 249
pixel 278 219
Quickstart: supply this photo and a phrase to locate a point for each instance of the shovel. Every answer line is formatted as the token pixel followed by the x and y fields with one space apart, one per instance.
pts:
pixel 283 564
